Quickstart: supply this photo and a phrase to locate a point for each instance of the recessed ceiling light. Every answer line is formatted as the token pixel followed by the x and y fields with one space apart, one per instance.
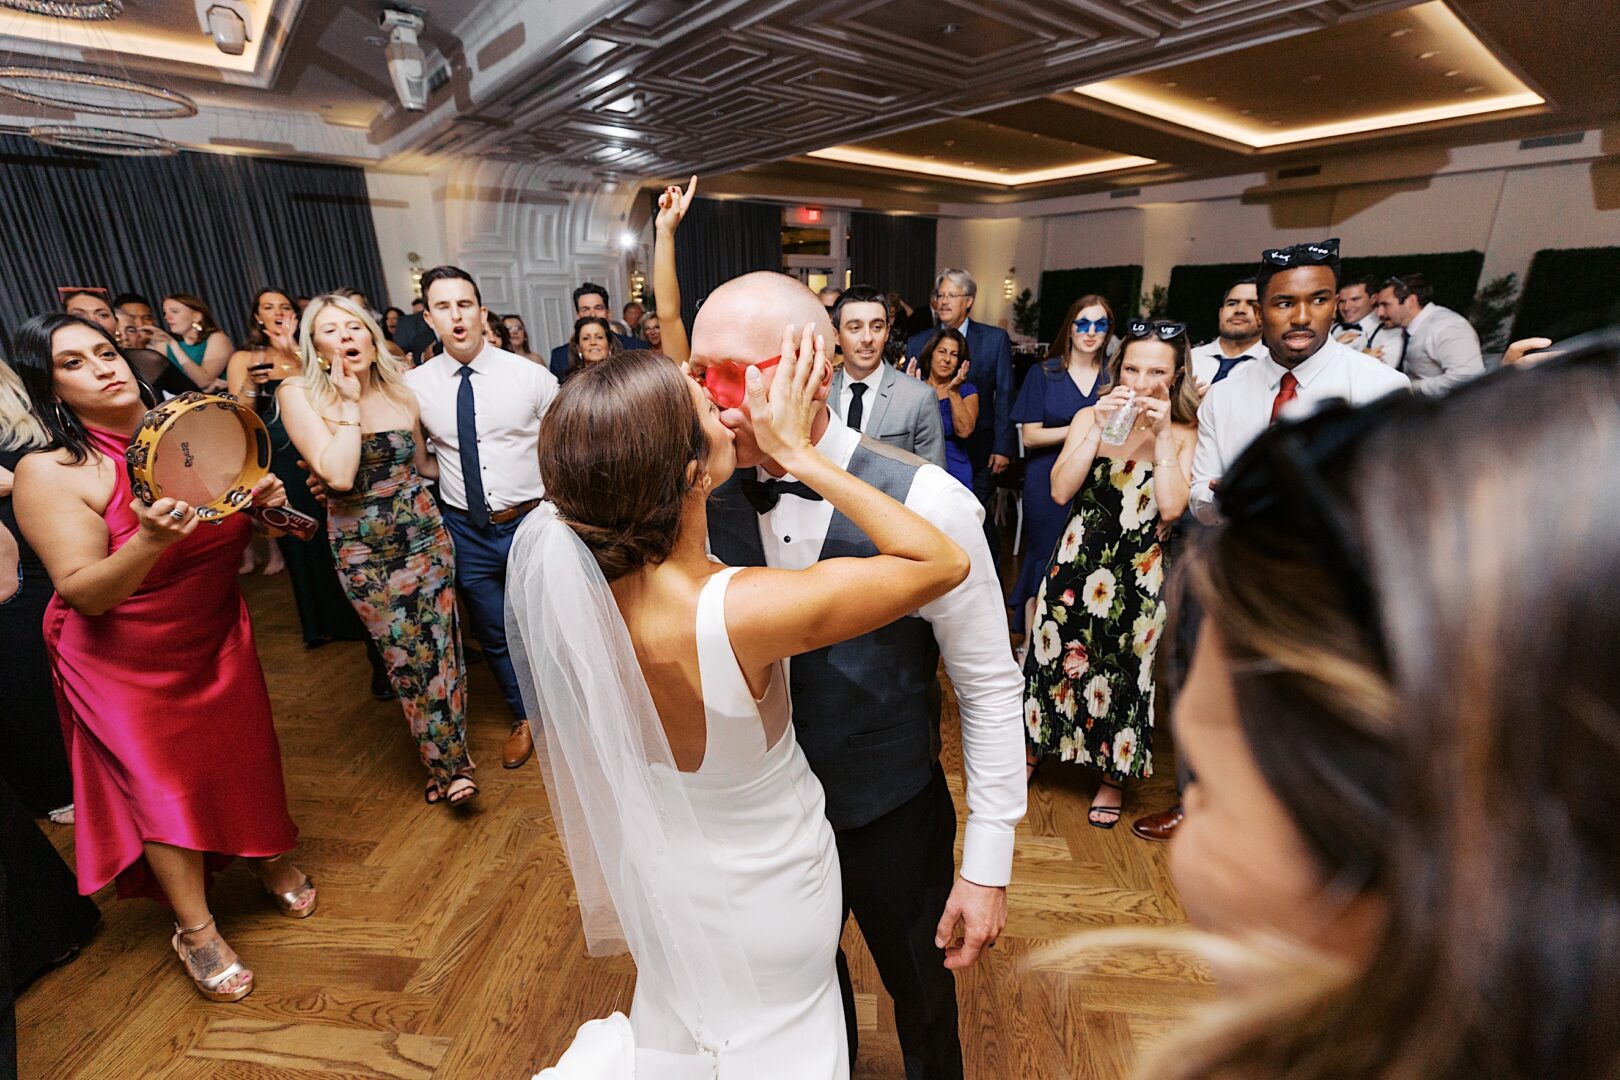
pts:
pixel 1472 89
pixel 967 163
pixel 1402 32
pixel 1003 169
pixel 1245 112
pixel 1171 83
pixel 949 143
pixel 949 28
pixel 1453 73
pixel 1430 55
pixel 1276 123
pixel 1212 97
pixel 855 155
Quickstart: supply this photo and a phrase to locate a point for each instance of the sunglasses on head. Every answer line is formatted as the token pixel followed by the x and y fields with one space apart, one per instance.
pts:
pixel 1321 253
pixel 1163 329
pixel 1092 326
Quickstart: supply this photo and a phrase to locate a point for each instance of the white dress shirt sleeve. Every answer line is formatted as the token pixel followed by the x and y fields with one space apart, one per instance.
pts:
pixel 970 625
pixel 1453 347
pixel 1208 463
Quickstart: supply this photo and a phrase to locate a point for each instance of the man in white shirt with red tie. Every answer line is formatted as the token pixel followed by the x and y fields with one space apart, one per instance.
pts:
pixel 1302 365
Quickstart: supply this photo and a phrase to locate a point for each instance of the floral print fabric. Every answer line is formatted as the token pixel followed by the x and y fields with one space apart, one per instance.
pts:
pixel 1088 675
pixel 394 558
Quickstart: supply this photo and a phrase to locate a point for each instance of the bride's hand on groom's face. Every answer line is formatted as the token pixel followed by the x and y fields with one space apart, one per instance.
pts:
pixel 784 414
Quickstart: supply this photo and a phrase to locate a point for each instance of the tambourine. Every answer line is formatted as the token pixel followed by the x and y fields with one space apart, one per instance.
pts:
pixel 208 451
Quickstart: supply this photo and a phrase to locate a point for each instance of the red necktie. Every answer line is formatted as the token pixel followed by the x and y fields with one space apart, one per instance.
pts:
pixel 1285 393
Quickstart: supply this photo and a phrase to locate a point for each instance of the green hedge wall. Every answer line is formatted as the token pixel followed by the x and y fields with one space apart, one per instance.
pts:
pixel 1122 285
pixel 1196 291
pixel 1569 291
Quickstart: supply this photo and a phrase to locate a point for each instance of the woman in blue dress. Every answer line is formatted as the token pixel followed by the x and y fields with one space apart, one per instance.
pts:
pixel 944 363
pixel 1071 378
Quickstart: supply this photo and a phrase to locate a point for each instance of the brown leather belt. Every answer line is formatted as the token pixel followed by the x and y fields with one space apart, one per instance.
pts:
pixel 512 513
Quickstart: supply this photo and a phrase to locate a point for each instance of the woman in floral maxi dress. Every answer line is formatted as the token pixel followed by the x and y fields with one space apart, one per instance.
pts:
pixel 1099 611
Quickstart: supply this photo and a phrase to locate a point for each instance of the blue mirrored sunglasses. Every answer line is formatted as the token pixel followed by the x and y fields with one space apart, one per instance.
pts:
pixel 1090 326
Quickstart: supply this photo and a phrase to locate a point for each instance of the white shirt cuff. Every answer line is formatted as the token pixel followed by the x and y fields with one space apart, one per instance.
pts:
pixel 987 855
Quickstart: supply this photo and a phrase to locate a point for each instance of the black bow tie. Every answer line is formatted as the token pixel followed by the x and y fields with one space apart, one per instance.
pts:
pixel 1352 326
pixel 763 495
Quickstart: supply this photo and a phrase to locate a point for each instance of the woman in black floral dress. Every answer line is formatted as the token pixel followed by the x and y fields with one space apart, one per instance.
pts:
pixel 1088 675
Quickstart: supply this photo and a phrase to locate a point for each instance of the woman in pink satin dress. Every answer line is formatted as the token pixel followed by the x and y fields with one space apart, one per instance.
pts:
pixel 176 768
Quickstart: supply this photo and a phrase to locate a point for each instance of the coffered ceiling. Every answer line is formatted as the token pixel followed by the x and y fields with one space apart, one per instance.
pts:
pixel 936 101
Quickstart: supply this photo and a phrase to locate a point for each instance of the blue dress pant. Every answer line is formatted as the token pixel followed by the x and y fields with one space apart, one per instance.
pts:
pixel 481 577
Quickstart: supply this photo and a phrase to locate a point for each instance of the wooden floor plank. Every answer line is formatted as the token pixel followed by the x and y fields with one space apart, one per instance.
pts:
pixel 448 943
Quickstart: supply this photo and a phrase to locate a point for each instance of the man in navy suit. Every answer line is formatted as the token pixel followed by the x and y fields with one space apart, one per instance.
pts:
pixel 590 300
pixel 993 444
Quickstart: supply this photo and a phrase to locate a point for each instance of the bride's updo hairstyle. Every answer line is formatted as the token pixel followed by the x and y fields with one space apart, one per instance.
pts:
pixel 617 450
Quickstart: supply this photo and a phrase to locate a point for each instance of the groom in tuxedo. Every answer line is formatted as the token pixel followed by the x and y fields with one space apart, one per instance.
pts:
pixel 867 710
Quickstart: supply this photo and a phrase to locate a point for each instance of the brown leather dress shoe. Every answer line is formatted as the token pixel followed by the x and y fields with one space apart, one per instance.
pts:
pixel 519 745
pixel 1159 826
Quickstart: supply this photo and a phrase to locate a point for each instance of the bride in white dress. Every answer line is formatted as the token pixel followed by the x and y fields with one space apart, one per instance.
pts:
pixel 654 677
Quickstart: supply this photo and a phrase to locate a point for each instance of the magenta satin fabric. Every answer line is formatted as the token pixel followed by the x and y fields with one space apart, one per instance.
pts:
pixel 165 711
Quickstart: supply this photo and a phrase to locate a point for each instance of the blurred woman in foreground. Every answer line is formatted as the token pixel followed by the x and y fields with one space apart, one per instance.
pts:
pixel 1404 720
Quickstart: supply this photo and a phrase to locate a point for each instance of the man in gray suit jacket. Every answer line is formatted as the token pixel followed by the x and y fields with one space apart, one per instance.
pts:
pixel 871 396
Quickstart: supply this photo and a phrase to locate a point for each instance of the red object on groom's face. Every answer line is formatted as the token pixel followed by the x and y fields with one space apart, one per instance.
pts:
pixel 726 381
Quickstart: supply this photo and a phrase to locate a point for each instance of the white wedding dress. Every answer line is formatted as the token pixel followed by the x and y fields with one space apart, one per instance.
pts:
pixel 763 820
pixel 722 883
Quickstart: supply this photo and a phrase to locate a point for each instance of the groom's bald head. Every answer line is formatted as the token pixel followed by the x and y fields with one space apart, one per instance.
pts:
pixel 743 319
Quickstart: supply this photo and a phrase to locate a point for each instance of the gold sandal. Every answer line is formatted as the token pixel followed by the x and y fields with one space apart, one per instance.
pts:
pixel 209 987
pixel 287 901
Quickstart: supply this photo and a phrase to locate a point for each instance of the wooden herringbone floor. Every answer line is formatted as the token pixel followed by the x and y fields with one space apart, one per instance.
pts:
pixel 449 946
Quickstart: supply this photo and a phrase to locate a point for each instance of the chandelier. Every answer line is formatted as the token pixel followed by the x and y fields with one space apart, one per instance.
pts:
pixel 86 10
pixel 98 140
pixel 84 91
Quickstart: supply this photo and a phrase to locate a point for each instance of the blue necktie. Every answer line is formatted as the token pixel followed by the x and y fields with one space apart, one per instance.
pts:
pixel 467 440
pixel 1226 366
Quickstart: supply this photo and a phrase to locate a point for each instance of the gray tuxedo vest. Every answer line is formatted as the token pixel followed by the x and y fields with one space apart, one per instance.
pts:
pixel 866 710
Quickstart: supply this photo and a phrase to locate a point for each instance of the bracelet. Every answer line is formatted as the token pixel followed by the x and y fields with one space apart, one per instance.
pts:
pixel 341 423
pixel 1166 461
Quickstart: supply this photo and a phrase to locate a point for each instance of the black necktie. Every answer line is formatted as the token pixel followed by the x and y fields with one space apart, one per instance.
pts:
pixel 1227 363
pixel 763 495
pixel 467 441
pixel 854 421
pixel 1406 343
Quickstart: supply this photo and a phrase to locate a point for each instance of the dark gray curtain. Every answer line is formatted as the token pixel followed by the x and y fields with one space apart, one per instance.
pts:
pixel 220 227
pixel 894 253
pixel 721 239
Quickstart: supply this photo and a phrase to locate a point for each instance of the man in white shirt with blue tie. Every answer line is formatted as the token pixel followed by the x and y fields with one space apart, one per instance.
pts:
pixel 481 408
pixel 1302 366
pixel 1238 339
pixel 1440 348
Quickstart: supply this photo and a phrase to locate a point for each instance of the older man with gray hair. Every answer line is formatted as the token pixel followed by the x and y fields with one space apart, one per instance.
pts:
pixel 992 445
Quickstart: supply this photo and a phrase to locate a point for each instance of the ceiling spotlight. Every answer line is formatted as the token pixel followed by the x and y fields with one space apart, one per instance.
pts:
pixel 1430 55
pixel 627 240
pixel 1402 32
pixel 949 28
pixel 406 66
pixel 1453 73
pixel 226 21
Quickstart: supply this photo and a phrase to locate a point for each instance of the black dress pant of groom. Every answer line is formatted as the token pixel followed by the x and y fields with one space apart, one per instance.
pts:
pixel 866 713
pixel 897 874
